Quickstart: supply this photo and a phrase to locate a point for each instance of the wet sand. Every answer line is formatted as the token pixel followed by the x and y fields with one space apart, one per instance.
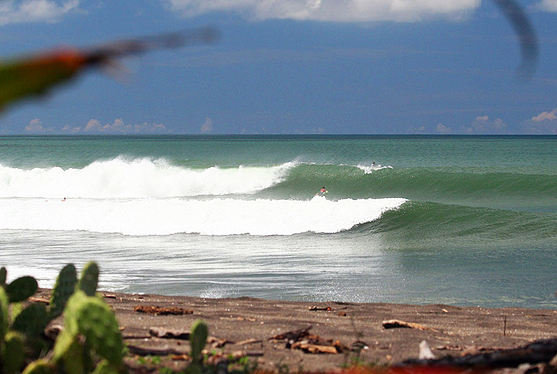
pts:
pixel 258 329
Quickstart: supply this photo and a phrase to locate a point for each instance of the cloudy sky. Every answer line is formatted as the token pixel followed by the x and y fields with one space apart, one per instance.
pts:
pixel 291 66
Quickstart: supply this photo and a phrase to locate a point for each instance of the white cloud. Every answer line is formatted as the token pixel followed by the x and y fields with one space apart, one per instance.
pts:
pixel 483 125
pixel 543 123
pixel 119 127
pixel 549 5
pixel 330 10
pixel 35 126
pixel 443 129
pixel 545 116
pixel 73 130
pixel 207 126
pixel 27 11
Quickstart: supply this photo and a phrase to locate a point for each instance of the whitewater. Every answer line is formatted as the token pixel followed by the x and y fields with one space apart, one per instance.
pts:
pixel 152 197
pixel 412 219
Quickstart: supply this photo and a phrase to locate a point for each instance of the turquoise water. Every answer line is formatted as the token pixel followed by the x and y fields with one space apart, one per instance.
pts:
pixel 455 220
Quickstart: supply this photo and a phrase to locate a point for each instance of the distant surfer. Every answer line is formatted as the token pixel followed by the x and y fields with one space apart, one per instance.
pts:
pixel 322 192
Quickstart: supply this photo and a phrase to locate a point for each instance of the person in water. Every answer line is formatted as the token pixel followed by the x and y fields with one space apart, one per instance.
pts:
pixel 322 192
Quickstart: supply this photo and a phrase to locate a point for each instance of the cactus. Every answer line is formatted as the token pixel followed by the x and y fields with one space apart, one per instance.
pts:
pixel 31 321
pixel 92 318
pixel 4 317
pixel 105 368
pixel 41 366
pixel 63 289
pixel 91 334
pixel 198 339
pixel 71 353
pixel 21 289
pixel 3 276
pixel 89 279
pixel 13 355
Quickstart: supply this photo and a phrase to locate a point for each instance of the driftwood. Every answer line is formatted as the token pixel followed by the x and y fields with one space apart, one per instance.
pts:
pixel 169 334
pixel 395 323
pixel 292 335
pixel 142 351
pixel 162 311
pixel 540 351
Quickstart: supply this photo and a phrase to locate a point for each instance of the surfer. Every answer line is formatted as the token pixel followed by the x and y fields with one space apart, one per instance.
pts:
pixel 322 192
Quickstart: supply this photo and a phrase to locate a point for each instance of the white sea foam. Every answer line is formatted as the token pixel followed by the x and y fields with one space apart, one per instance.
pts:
pixel 137 178
pixel 217 216
pixel 368 169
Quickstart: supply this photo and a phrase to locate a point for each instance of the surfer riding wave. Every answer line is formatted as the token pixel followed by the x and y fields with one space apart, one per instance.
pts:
pixel 322 192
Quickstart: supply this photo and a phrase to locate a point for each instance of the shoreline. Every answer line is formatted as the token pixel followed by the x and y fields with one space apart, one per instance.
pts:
pixel 264 330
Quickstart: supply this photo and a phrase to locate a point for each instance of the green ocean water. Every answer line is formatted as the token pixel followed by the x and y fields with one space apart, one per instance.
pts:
pixel 461 220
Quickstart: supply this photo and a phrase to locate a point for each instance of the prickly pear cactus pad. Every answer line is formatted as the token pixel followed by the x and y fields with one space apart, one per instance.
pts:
pixel 89 279
pixel 4 320
pixel 63 289
pixel 92 318
pixel 31 321
pixel 21 289
pixel 198 339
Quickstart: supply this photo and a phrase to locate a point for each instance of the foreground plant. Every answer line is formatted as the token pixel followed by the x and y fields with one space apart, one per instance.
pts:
pixel 90 342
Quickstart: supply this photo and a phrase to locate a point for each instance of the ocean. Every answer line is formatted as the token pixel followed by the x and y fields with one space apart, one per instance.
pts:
pixel 458 220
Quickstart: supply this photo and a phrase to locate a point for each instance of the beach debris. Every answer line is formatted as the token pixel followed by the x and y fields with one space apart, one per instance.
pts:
pixel 39 300
pixel 291 336
pixel 169 334
pixel 162 311
pixel 358 346
pixel 144 351
pixel 425 351
pixel 303 340
pixel 217 342
pixel 315 348
pixel 249 341
pixel 250 319
pixel 324 308
pixel 538 352
pixel 395 323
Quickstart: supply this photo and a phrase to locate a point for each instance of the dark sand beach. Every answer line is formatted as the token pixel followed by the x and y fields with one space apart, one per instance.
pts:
pixel 301 336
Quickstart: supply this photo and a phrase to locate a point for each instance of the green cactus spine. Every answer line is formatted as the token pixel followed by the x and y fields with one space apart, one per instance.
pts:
pixel 31 321
pixel 92 318
pixel 63 289
pixel 89 279
pixel 21 289
pixel 13 354
pixel 198 339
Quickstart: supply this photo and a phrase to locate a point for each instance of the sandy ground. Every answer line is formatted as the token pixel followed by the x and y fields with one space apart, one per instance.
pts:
pixel 259 329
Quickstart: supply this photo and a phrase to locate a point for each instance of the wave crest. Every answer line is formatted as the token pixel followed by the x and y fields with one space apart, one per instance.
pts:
pixel 137 178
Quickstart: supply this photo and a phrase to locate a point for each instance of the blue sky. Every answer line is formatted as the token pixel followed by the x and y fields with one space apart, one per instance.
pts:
pixel 291 66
